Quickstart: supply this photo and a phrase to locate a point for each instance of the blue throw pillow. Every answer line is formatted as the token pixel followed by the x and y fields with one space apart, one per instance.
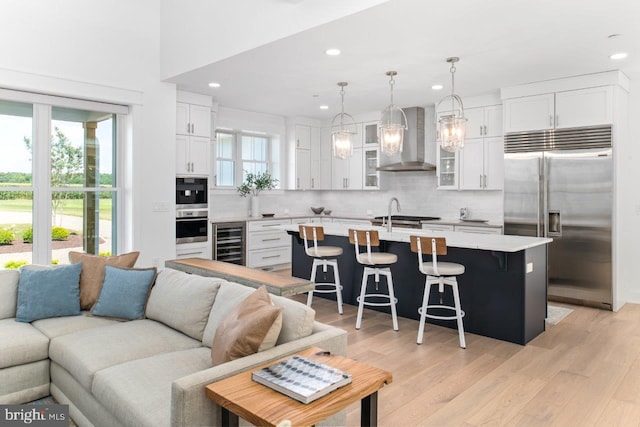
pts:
pixel 124 292
pixel 48 292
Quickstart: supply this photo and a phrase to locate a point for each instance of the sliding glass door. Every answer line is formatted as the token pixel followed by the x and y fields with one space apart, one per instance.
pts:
pixel 58 182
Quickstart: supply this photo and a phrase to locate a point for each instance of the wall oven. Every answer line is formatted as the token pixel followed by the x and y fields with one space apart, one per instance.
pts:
pixel 192 213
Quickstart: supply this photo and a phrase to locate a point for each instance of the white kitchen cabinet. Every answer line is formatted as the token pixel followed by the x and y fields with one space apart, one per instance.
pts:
pixel 193 120
pixel 371 161
pixel 584 107
pixel 482 164
pixel 303 164
pixel 565 109
pixel 370 133
pixel 326 154
pixel 437 227
pixel 347 173
pixel 268 248
pixel 446 169
pixel 193 250
pixel 483 121
pixel 303 137
pixel 193 155
pixel 315 160
pixel 350 221
pixel 478 230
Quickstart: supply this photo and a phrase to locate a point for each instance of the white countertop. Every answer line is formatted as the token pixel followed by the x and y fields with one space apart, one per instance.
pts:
pixel 356 217
pixel 489 242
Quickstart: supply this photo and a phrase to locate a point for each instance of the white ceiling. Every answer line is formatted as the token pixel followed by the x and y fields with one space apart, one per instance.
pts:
pixel 500 43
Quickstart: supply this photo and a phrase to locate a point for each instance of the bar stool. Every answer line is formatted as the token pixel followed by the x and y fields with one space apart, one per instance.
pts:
pixel 322 256
pixel 376 264
pixel 440 273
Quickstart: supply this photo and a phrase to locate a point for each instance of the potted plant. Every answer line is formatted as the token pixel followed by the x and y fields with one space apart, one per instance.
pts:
pixel 253 184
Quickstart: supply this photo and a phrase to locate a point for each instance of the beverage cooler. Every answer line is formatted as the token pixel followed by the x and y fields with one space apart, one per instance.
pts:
pixel 229 242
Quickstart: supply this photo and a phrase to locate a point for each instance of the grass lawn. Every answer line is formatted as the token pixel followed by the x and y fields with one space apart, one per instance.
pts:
pixel 72 207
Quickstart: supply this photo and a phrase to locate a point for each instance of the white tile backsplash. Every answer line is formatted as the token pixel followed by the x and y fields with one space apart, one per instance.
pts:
pixel 416 191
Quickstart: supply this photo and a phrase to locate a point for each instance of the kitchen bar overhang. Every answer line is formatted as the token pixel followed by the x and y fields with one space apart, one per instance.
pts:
pixel 503 290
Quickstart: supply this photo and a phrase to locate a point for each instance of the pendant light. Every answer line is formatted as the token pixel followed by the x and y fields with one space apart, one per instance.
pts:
pixel 452 127
pixel 391 124
pixel 342 132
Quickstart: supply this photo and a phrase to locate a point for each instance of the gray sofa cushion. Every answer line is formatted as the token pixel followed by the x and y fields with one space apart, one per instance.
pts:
pixel 8 293
pixel 56 326
pixel 297 319
pixel 138 393
pixel 182 301
pixel 85 352
pixel 21 343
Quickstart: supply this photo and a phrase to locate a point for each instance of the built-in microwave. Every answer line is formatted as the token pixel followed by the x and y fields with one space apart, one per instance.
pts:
pixel 191 193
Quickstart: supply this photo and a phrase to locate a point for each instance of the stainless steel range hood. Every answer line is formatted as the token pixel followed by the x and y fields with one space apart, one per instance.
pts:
pixel 412 158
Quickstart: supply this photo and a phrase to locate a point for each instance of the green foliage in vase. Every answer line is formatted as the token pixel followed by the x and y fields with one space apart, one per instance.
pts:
pixel 254 183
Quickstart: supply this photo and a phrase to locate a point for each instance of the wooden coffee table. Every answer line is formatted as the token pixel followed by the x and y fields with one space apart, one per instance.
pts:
pixel 277 284
pixel 239 396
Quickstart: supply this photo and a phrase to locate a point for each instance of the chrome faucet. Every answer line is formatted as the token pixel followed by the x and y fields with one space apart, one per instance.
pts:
pixel 397 206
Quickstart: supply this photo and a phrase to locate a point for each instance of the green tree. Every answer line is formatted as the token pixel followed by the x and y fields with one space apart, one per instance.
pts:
pixel 66 161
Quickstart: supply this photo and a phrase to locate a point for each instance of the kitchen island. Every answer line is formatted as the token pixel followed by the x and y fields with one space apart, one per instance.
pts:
pixel 503 291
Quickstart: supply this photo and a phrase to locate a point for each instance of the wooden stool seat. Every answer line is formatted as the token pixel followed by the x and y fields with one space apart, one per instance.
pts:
pixel 323 256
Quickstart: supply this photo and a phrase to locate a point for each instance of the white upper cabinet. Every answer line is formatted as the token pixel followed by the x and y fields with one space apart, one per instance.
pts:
pixel 303 175
pixel 565 109
pixel 482 164
pixel 326 153
pixel 193 134
pixel 585 107
pixel 193 120
pixel 529 113
pixel 484 121
pixel 303 137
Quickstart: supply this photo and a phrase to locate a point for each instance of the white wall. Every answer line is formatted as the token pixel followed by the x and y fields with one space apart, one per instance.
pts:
pixel 105 51
pixel 199 32
pixel 627 176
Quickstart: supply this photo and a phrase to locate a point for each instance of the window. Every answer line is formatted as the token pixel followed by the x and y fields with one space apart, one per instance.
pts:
pixel 238 153
pixel 58 182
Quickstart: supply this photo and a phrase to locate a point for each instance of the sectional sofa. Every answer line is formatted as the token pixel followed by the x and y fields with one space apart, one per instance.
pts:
pixel 148 372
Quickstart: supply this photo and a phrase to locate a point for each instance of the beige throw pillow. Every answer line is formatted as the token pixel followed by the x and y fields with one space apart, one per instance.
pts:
pixel 92 275
pixel 245 328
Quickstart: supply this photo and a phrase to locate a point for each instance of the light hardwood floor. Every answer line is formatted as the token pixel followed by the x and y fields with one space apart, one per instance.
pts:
pixel 583 371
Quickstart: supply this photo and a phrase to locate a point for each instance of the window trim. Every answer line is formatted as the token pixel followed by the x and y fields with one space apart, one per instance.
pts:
pixel 237 156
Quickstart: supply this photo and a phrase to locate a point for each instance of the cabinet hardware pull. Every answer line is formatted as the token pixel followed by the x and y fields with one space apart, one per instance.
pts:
pixel 298 183
pixel 215 180
pixel 193 128
pixel 485 130
pixel 272 256
pixel 298 143
pixel 481 131
pixel 480 181
pixel 190 253
pixel 270 240
pixel 312 182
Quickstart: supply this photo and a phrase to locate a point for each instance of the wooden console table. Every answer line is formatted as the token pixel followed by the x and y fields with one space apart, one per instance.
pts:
pixel 277 284
pixel 239 396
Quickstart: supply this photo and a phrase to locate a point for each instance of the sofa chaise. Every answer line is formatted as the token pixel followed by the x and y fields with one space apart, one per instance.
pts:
pixel 147 372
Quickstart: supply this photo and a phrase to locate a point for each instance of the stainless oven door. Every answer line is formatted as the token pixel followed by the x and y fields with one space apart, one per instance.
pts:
pixel 190 230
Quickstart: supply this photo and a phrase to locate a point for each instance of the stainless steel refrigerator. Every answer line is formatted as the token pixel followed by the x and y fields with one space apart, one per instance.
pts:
pixel 559 184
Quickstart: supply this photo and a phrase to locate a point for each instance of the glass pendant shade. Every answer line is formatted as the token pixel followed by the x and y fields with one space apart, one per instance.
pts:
pixel 343 127
pixel 342 144
pixel 452 127
pixel 393 123
pixel 452 131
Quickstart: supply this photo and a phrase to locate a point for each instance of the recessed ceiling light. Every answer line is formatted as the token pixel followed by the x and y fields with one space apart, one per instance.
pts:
pixel 332 52
pixel 324 107
pixel 437 87
pixel 214 84
pixel 618 55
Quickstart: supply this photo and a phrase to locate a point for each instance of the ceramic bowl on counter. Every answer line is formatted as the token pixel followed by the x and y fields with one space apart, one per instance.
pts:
pixel 317 211
pixel 327 211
